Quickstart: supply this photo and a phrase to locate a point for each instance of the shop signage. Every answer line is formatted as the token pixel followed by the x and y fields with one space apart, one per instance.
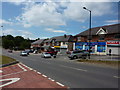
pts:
pixel 113 42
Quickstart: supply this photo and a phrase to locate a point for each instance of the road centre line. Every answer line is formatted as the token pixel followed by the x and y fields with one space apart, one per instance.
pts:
pixel 116 77
pixel 74 68
pixel 22 67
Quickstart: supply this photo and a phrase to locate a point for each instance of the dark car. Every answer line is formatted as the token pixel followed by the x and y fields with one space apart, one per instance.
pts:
pixel 78 54
pixel 10 51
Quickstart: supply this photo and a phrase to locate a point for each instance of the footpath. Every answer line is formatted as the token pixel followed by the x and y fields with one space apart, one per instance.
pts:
pixel 22 76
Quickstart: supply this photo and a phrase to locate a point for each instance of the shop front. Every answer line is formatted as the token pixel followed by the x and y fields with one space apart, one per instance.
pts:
pixel 114 45
pixel 95 47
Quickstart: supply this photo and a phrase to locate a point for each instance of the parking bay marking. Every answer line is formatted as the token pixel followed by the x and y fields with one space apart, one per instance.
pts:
pixel 74 68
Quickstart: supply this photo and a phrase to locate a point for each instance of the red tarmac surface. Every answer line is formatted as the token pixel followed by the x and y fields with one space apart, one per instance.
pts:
pixel 20 76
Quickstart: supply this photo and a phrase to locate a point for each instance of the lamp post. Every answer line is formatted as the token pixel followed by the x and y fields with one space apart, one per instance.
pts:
pixel 89 36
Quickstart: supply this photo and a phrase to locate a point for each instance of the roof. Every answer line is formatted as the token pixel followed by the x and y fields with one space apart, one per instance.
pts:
pixel 65 38
pixel 110 29
pixel 38 41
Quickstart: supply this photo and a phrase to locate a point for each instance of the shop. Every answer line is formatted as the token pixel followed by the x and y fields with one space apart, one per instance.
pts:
pixel 94 46
pixel 114 45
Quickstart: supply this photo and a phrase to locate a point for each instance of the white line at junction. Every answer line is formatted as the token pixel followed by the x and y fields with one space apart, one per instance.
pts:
pixel 74 68
pixel 22 67
pixel 116 77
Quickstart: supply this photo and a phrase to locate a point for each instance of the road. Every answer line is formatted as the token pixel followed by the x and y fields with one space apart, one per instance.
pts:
pixel 71 73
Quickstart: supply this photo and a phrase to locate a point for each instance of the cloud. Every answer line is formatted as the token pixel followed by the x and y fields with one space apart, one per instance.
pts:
pixel 57 13
pixel 42 15
pixel 5 22
pixel 112 21
pixel 57 31
pixel 22 33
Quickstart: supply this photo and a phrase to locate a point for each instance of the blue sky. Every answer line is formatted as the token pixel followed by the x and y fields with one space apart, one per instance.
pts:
pixel 48 19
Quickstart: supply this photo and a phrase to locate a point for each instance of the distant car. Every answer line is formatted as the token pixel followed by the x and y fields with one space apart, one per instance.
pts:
pixel 46 55
pixel 78 54
pixel 10 51
pixel 53 53
pixel 27 51
pixel 24 53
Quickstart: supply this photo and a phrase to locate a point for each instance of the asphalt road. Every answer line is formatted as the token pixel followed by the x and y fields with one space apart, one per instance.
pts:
pixel 71 73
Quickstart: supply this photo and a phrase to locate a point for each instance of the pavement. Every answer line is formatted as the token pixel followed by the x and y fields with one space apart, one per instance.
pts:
pixel 22 76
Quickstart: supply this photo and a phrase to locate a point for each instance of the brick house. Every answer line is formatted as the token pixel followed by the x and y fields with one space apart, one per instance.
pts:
pixel 60 43
pixel 103 38
pixel 38 45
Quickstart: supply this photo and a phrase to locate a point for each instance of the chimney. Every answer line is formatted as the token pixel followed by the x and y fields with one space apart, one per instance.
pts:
pixel 65 35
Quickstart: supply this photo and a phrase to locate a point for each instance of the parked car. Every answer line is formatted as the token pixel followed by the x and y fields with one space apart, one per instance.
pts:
pixel 79 54
pixel 35 52
pixel 52 53
pixel 46 55
pixel 24 53
pixel 10 51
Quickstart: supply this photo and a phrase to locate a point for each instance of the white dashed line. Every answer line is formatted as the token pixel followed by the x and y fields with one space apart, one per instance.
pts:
pixel 60 84
pixel 51 79
pixel 44 75
pixel 38 72
pixel 116 77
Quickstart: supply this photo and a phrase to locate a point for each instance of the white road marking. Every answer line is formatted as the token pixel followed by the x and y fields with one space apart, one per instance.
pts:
pixel 22 67
pixel 38 72
pixel 44 75
pixel 13 80
pixel 26 66
pixel 60 84
pixel 11 74
pixel 74 68
pixel 51 79
pixel 1 71
pixel 116 77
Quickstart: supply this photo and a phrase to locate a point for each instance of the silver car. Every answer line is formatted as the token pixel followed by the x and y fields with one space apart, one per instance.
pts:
pixel 24 53
pixel 45 55
pixel 78 54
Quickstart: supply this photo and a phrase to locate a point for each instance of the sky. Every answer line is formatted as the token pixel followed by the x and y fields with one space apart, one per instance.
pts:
pixel 48 18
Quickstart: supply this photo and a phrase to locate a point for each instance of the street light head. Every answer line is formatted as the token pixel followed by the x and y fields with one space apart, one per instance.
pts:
pixel 84 7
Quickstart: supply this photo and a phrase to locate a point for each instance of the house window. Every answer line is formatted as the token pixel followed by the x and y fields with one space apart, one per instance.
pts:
pixel 117 36
pixel 79 38
pixel 101 37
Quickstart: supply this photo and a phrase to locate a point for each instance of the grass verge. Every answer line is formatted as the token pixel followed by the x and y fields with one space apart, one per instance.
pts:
pixel 110 63
pixel 6 59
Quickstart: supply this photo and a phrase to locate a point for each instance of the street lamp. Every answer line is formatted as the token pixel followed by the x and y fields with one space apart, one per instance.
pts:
pixel 89 36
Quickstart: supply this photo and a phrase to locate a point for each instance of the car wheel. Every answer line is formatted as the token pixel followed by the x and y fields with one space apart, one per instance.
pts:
pixel 83 57
pixel 75 57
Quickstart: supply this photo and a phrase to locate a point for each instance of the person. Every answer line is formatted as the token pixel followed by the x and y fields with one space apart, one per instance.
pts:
pixel 110 52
